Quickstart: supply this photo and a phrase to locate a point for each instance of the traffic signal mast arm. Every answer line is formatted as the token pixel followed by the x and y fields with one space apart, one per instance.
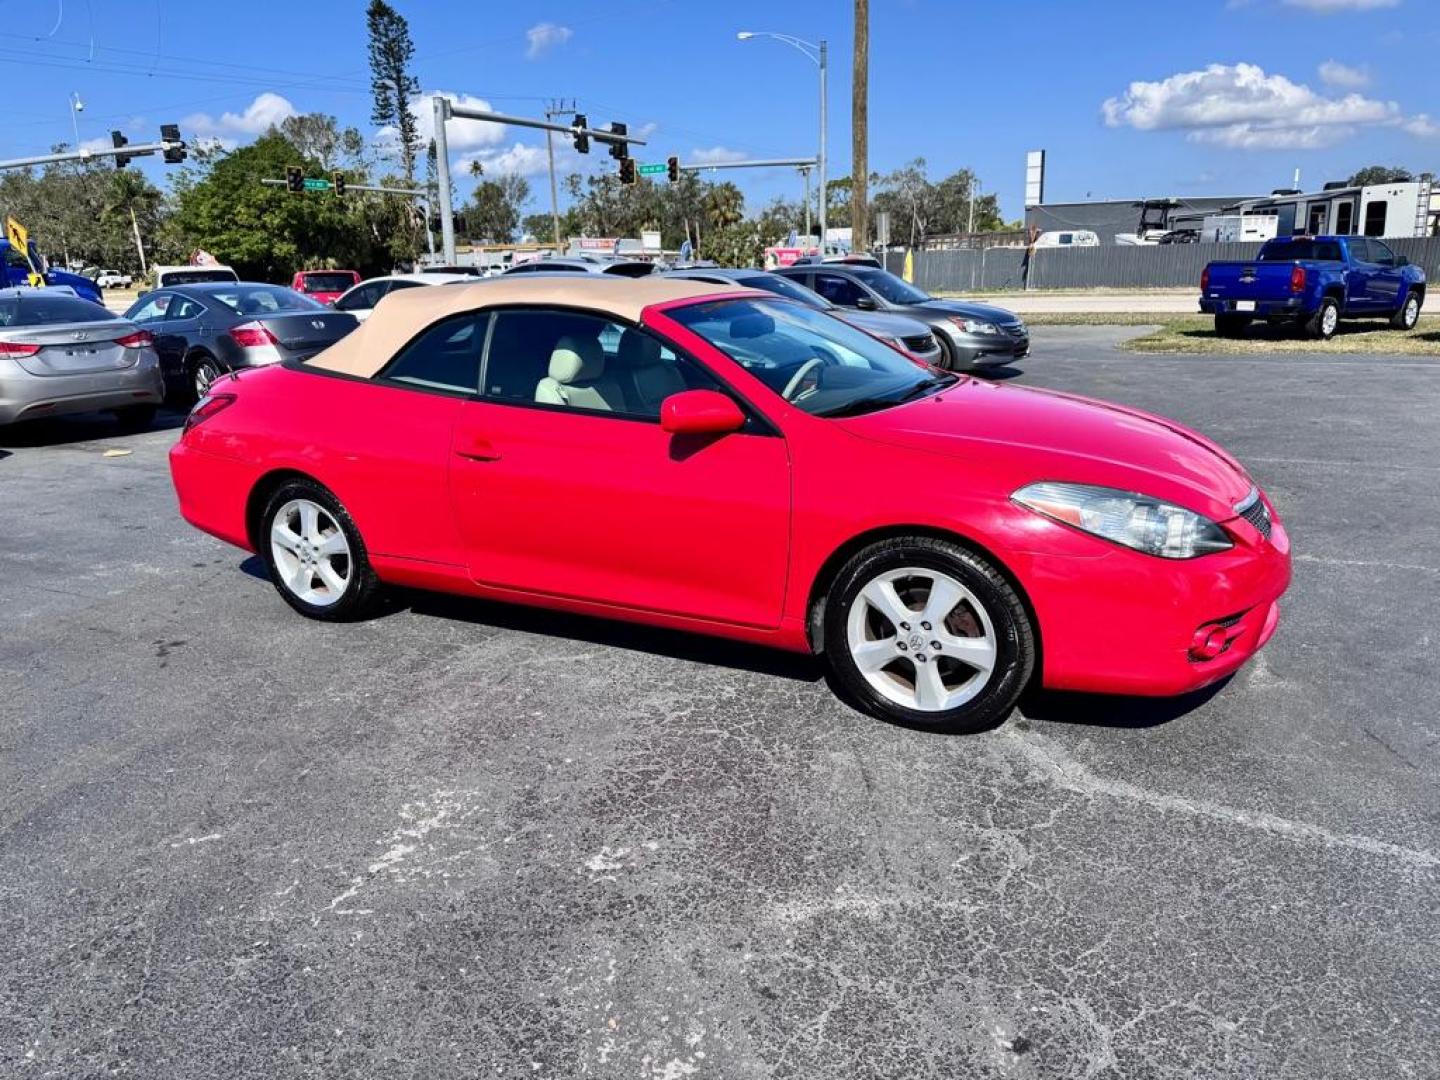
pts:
pixel 174 150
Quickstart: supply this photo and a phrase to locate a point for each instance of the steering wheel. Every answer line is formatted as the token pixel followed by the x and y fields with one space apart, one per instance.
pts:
pixel 798 379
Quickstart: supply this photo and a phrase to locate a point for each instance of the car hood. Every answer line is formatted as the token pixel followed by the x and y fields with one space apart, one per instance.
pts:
pixel 883 325
pixel 1020 435
pixel 969 310
pixel 82 285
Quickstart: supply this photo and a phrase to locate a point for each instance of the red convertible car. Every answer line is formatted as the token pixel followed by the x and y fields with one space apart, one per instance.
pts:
pixel 732 463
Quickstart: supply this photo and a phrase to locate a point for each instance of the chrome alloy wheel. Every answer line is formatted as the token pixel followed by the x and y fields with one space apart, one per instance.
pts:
pixel 312 556
pixel 1329 320
pixel 921 639
pixel 1412 312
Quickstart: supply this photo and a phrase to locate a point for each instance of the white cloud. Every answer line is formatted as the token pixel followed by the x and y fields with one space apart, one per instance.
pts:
pixel 519 158
pixel 267 110
pixel 1242 106
pixel 1422 126
pixel 1330 7
pixel 1334 73
pixel 460 135
pixel 545 36
pixel 715 155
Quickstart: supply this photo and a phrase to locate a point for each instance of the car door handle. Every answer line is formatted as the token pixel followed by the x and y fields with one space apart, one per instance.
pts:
pixel 477 449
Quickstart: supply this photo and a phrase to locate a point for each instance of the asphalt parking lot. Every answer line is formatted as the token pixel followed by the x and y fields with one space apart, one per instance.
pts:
pixel 465 841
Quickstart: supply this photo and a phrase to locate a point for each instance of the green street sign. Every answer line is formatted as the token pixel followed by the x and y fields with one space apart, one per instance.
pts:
pixel 652 169
pixel 317 185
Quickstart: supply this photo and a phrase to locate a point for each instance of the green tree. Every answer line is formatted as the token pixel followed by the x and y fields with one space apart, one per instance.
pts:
pixel 777 218
pixel 1381 174
pixel 736 244
pixel 539 226
pixel 493 213
pixel 319 137
pixel 391 83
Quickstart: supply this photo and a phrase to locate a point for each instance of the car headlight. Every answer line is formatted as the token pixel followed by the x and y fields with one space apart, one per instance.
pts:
pixel 975 326
pixel 1123 517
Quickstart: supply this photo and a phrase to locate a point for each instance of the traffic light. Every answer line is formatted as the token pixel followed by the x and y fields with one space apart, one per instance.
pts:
pixel 627 170
pixel 672 169
pixel 170 133
pixel 337 182
pixel 621 149
pixel 294 179
pixel 117 140
pixel 582 137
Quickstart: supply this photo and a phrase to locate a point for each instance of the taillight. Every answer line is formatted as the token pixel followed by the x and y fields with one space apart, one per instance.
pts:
pixel 1297 279
pixel 252 335
pixel 18 348
pixel 207 407
pixel 141 339
pixel 1204 279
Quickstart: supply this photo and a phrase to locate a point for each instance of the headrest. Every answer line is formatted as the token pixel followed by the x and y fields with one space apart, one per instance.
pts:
pixel 576 359
pixel 637 350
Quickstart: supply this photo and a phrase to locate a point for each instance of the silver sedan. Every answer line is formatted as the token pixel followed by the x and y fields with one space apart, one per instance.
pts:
pixel 61 354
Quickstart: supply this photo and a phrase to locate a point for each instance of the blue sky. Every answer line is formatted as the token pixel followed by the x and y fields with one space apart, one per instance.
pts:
pixel 1128 99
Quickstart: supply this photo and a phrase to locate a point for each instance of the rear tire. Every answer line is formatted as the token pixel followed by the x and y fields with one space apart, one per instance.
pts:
pixel 1408 315
pixel 135 418
pixel 316 556
pixel 1231 326
pixel 204 370
pixel 952 660
pixel 1326 320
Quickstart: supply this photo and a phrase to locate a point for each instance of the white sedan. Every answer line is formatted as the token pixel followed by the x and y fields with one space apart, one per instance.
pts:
pixel 359 300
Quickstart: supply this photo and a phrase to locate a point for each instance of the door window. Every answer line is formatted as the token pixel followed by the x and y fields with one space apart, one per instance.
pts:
pixel 572 360
pixel 1375 218
pixel 1381 254
pixel 361 299
pixel 1360 250
pixel 185 308
pixel 151 309
pixel 839 290
pixel 444 357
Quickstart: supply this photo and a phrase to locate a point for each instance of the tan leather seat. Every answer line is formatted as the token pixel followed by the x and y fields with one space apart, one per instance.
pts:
pixel 644 374
pixel 577 377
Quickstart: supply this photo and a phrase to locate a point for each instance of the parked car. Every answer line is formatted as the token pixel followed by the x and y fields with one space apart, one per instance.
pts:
pixel 970 335
pixel 849 258
pixel 166 277
pixel 61 354
pixel 745 466
pixel 1312 282
pixel 15 271
pixel 202 331
pixel 361 300
pixel 324 286
pixel 113 279
pixel 462 271
pixel 630 268
pixel 911 335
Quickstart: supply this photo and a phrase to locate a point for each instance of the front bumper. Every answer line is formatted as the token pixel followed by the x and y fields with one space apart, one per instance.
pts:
pixel 29 397
pixel 989 350
pixel 1127 623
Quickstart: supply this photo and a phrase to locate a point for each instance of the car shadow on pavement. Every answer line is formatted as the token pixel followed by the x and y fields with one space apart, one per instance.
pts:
pixel 1112 710
pixel 78 428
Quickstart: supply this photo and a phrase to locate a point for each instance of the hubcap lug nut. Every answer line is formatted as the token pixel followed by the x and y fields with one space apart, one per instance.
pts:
pixel 904 626
pixel 920 656
pixel 935 646
pixel 901 646
pixel 924 626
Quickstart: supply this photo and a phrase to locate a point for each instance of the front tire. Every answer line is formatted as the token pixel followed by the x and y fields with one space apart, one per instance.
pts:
pixel 947 353
pixel 1408 315
pixel 1325 321
pixel 315 554
pixel 925 633
pixel 203 372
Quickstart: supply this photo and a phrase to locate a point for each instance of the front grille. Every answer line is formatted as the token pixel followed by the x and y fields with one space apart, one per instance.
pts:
pixel 1014 329
pixel 1256 513
pixel 920 343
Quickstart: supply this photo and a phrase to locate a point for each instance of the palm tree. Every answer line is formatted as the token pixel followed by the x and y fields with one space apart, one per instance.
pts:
pixel 126 192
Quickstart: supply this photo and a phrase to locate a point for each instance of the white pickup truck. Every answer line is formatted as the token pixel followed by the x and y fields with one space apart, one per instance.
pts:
pixel 113 279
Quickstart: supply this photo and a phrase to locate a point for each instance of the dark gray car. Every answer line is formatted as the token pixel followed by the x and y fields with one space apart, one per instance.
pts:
pixel 202 331
pixel 971 335
pixel 913 336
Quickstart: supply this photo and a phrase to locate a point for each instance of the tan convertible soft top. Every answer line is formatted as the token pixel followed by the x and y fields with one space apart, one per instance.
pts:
pixel 404 313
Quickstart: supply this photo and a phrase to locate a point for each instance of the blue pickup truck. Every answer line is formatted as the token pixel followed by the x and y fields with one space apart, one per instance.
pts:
pixel 15 270
pixel 1312 282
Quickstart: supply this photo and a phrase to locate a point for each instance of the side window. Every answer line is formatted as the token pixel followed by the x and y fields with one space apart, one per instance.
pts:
pixel 1375 218
pixel 838 290
pixel 584 362
pixel 363 298
pixel 1360 250
pixel 151 310
pixel 444 357
pixel 1380 253
pixel 396 286
pixel 185 308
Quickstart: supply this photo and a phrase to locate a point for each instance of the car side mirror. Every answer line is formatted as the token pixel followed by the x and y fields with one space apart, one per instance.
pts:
pixel 1401 260
pixel 700 412
pixel 864 303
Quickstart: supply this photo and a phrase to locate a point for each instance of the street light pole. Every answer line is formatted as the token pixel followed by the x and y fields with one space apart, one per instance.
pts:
pixel 442 169
pixel 818 54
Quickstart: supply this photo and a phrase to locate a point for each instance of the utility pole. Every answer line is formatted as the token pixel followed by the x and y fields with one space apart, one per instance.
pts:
pixel 860 139
pixel 557 108
pixel 974 183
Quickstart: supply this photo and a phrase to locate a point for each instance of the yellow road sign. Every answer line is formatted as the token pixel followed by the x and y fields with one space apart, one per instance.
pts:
pixel 19 238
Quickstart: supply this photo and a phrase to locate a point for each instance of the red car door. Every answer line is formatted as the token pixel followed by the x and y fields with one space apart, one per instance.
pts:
pixel 564 483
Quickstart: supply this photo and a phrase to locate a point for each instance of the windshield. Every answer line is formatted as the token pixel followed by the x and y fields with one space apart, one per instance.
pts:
pixel 811 359
pixel 327 282
pixel 894 289
pixel 194 277
pixel 785 287
pixel 264 300
pixel 1290 250
pixel 41 310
